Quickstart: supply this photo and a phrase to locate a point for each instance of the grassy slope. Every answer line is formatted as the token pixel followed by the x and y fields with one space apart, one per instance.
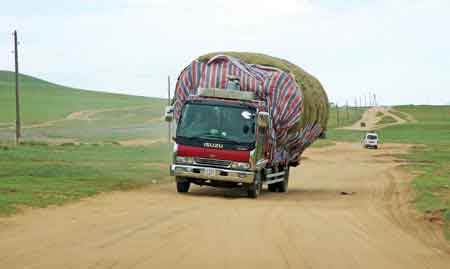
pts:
pixel 431 156
pixel 42 101
pixel 36 174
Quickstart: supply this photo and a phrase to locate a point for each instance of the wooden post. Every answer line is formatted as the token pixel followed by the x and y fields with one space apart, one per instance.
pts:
pixel 16 60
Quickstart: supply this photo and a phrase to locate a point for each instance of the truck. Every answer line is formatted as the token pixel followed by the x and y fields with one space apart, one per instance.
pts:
pixel 242 120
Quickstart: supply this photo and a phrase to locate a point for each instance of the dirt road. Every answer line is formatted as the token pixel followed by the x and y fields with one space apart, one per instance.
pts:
pixel 371 119
pixel 314 225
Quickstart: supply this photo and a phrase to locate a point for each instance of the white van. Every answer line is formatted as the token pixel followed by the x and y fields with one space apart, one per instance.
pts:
pixel 370 140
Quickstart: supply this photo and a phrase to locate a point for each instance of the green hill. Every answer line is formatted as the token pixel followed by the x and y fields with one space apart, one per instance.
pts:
pixel 97 115
pixel 43 101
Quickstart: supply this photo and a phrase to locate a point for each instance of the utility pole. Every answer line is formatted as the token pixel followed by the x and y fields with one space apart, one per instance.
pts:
pixel 168 104
pixel 16 60
pixel 346 108
pixel 337 115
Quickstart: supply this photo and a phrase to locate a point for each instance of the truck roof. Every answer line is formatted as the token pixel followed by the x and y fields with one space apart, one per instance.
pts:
pixel 227 94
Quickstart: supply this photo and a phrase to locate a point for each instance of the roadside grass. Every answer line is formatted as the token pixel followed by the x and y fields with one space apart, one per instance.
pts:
pixel 432 185
pixel 379 114
pixel 430 158
pixel 386 119
pixel 323 143
pixel 38 175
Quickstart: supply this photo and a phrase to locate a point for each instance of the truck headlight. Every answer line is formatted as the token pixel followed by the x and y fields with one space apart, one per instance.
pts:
pixel 183 159
pixel 239 165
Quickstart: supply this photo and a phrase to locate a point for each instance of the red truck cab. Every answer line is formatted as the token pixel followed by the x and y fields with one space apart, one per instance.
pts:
pixel 223 140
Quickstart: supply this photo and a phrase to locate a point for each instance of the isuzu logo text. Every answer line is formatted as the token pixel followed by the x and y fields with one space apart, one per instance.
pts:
pixel 213 145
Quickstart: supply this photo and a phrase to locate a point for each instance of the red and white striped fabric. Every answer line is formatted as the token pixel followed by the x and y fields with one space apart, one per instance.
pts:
pixel 279 90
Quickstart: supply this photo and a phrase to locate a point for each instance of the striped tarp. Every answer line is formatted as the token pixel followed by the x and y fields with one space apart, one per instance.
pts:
pixel 283 97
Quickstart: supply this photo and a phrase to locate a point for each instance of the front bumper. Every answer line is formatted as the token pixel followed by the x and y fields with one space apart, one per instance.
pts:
pixel 212 173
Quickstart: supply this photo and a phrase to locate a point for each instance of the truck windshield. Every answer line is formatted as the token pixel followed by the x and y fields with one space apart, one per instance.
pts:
pixel 218 122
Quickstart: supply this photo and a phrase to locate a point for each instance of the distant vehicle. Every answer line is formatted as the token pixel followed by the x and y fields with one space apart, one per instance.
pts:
pixel 370 140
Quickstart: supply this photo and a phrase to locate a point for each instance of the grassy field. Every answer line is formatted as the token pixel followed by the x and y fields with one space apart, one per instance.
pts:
pixel 38 175
pixel 432 186
pixel 86 159
pixel 430 157
pixel 399 114
pixel 386 120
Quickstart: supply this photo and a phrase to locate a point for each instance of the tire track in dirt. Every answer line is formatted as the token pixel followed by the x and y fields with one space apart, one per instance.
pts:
pixel 86 115
pixel 311 226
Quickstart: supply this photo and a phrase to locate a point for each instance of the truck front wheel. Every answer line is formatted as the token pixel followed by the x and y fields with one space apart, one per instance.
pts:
pixel 183 184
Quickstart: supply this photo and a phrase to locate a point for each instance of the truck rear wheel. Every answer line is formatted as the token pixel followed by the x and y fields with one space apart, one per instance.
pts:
pixel 283 185
pixel 254 189
pixel 183 184
pixel 272 187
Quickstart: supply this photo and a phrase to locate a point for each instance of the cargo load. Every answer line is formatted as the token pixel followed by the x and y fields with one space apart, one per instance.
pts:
pixel 295 99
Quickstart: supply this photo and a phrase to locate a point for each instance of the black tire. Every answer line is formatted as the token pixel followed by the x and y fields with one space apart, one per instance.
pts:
pixel 254 189
pixel 283 185
pixel 375 147
pixel 183 184
pixel 272 187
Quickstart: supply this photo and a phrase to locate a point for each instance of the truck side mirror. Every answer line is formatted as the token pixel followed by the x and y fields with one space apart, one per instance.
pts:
pixel 263 119
pixel 168 115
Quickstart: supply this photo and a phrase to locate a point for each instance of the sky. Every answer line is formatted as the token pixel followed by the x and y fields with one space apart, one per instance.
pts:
pixel 397 49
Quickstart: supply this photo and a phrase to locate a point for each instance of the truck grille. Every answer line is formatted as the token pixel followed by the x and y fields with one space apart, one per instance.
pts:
pixel 213 162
